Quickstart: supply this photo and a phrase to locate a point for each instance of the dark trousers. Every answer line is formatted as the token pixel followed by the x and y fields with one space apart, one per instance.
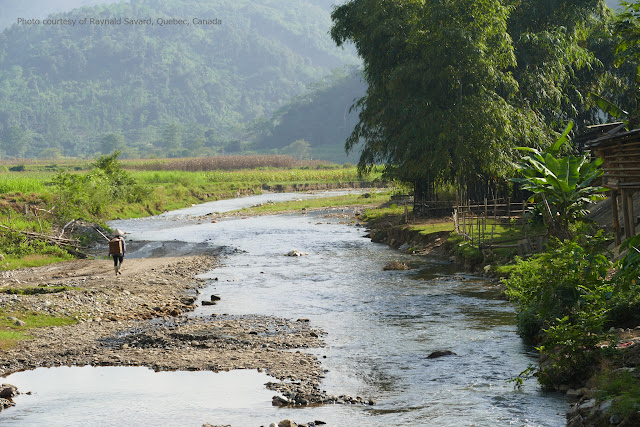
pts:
pixel 116 259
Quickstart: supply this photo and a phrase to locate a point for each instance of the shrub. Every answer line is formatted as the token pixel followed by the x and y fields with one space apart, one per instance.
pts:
pixel 563 300
pixel 625 310
pixel 555 284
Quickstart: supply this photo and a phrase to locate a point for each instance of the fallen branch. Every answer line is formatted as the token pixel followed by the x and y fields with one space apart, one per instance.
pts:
pixel 58 241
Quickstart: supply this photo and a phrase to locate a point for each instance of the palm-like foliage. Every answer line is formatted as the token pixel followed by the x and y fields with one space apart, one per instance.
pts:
pixel 561 185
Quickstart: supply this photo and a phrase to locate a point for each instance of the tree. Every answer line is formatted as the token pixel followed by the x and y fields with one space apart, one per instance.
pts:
pixel 300 149
pixel 555 67
pixel 454 85
pixel 15 141
pixel 111 142
pixel 437 105
pixel 627 61
pixel 171 139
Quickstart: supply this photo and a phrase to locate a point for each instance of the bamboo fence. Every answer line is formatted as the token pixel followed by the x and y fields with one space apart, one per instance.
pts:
pixel 476 222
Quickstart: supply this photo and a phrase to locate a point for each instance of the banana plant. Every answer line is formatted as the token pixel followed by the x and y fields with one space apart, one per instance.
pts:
pixel 561 185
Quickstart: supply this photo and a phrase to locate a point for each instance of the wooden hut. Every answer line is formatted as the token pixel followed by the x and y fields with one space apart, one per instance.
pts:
pixel 620 150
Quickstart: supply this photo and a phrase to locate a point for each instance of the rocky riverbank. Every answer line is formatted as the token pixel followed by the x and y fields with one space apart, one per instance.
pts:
pixel 139 319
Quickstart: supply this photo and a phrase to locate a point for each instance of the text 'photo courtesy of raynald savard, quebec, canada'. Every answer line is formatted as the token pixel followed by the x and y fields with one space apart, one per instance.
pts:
pixel 318 212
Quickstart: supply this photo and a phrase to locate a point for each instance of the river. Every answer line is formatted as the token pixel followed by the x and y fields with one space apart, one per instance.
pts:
pixel 381 325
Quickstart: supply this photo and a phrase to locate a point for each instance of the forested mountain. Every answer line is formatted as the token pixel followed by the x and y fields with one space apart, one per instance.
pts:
pixel 152 89
pixel 322 117
pixel 11 10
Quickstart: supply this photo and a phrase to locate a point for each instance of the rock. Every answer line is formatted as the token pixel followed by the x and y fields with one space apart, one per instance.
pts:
pixel 8 391
pixel 615 420
pixel 487 268
pixel 588 404
pixel 295 252
pixel 215 298
pixel 287 423
pixel 188 300
pixel 583 391
pixel 395 265
pixel 604 406
pixel 205 302
pixel 12 319
pixel 573 393
pixel 5 403
pixel 279 401
pixel 441 353
pixel 19 323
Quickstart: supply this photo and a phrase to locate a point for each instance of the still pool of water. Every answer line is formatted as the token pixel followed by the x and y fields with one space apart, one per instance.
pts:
pixel 126 396
pixel 381 325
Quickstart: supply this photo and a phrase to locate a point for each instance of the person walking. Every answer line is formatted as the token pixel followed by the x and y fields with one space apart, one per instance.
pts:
pixel 117 249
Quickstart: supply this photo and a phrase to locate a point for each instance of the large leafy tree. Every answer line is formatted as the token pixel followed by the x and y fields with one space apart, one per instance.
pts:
pixel 454 84
pixel 437 103
pixel 554 43
pixel 620 99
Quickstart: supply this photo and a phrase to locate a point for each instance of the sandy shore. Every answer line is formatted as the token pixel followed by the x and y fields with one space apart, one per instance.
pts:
pixel 139 319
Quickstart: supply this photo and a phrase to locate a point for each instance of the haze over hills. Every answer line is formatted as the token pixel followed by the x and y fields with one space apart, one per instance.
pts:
pixel 158 87
pixel 13 9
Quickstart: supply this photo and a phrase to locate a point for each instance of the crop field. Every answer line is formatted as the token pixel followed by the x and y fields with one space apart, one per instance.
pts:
pixel 226 163
pixel 25 182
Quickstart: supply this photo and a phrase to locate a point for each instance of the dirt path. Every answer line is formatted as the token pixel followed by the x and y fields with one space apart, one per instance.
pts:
pixel 139 319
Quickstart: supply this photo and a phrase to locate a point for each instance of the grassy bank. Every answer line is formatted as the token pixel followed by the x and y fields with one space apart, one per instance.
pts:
pixel 349 200
pixel 39 198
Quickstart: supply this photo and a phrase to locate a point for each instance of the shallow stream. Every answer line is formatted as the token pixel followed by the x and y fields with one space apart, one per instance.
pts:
pixel 381 327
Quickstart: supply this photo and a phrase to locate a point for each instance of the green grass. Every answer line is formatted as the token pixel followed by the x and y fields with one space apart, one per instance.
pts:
pixel 163 190
pixel 250 176
pixel 11 334
pixel 624 388
pixel 169 190
pixel 25 182
pixel 434 228
pixel 377 214
pixel 9 338
pixel 286 176
pixel 319 203
pixel 32 260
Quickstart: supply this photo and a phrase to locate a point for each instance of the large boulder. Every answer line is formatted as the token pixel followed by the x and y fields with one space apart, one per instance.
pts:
pixel 7 391
pixel 440 353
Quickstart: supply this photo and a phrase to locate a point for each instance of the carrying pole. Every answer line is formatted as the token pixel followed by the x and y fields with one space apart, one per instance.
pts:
pixel 102 234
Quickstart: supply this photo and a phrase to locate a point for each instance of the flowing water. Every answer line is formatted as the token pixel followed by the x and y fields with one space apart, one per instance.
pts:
pixel 382 326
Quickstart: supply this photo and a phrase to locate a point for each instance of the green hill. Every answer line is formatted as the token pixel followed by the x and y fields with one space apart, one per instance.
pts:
pixel 322 117
pixel 11 10
pixel 152 89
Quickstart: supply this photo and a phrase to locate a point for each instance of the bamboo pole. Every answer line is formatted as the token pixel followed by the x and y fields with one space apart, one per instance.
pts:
pixel 615 216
